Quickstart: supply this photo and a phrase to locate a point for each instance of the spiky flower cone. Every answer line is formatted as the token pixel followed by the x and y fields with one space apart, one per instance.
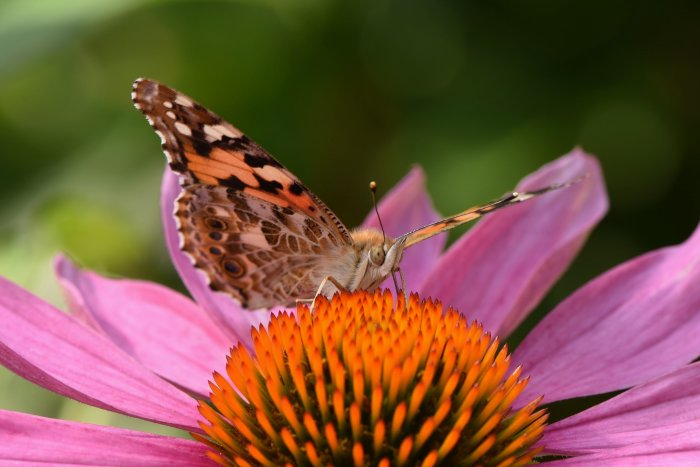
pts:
pixel 359 381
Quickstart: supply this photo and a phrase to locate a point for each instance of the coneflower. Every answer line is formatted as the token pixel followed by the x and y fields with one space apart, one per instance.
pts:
pixel 364 381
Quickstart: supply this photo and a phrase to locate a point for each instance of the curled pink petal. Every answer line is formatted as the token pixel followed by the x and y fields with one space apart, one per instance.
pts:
pixel 656 412
pixel 500 270
pixel 31 440
pixel 632 324
pixel 406 207
pixel 160 328
pixel 53 350
pixel 235 321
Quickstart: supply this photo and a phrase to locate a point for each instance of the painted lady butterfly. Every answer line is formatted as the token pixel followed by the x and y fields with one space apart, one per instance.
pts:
pixel 255 230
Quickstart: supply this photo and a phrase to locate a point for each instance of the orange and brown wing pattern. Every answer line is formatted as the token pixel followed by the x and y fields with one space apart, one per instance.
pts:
pixel 205 149
pixel 258 252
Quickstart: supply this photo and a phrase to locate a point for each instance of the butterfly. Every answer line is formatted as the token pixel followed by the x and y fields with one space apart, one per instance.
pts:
pixel 254 229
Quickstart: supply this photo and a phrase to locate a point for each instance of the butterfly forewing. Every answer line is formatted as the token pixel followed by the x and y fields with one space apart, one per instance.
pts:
pixel 206 149
pixel 256 231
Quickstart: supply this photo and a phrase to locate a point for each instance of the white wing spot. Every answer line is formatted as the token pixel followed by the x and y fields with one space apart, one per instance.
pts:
pixel 161 136
pixel 171 114
pixel 168 104
pixel 217 131
pixel 273 174
pixel 211 134
pixel 224 130
pixel 183 129
pixel 182 100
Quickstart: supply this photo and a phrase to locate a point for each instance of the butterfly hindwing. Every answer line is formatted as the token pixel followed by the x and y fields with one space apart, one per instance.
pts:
pixel 258 252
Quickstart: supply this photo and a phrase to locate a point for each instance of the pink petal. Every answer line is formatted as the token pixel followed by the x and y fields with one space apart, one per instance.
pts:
pixel 681 450
pixel 657 412
pixel 500 270
pixel 53 350
pixel 28 439
pixel 406 207
pixel 160 328
pixel 633 323
pixel 234 321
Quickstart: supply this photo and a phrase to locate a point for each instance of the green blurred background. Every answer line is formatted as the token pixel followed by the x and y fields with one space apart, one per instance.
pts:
pixel 478 93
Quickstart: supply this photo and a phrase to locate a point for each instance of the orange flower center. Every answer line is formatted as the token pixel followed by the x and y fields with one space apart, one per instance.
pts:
pixel 360 381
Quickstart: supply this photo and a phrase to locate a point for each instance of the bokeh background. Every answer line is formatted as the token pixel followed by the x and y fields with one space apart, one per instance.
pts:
pixel 343 92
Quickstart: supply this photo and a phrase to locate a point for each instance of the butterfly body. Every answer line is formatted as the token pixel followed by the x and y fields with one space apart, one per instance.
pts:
pixel 252 227
pixel 377 257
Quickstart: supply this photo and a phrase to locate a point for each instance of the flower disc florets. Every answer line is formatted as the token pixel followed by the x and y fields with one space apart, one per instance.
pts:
pixel 359 381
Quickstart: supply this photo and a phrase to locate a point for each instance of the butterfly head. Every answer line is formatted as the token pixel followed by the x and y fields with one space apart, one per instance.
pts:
pixel 377 257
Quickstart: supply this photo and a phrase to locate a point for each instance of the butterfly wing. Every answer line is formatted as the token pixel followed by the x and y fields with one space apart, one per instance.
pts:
pixel 256 251
pixel 476 212
pixel 267 214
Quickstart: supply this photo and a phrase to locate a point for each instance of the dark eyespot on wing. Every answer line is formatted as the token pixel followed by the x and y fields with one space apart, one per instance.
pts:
pixel 233 267
pixel 215 223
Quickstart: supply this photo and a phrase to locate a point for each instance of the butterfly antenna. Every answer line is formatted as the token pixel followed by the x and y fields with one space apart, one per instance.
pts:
pixel 373 189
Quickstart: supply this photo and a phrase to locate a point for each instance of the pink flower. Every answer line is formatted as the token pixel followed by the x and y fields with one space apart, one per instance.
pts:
pixel 146 351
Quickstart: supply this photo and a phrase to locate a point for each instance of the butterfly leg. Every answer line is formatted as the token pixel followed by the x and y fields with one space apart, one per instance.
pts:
pixel 333 281
pixel 324 282
pixel 403 285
